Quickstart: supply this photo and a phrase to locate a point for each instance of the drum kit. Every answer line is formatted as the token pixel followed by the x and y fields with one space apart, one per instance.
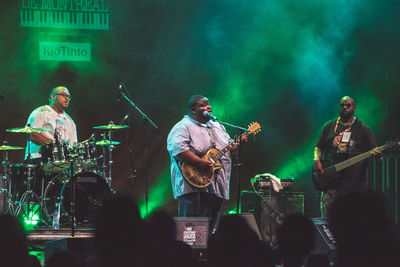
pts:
pixel 47 181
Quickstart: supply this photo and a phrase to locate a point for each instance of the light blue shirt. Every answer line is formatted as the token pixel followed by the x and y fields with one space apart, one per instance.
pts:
pixel 189 134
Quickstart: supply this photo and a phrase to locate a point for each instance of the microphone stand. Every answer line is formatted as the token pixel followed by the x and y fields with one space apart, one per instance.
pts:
pixel 146 120
pixel 131 177
pixel 237 160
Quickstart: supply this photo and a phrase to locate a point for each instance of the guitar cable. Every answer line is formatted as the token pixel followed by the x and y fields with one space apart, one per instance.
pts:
pixel 263 198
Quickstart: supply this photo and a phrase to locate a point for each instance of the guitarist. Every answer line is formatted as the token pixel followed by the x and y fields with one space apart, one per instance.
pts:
pixel 188 141
pixel 340 139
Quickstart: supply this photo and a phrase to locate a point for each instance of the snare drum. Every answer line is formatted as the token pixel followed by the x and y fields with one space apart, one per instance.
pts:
pixel 91 193
pixel 86 152
pixel 55 156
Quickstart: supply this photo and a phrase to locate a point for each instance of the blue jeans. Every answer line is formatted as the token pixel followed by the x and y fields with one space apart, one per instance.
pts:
pixel 200 204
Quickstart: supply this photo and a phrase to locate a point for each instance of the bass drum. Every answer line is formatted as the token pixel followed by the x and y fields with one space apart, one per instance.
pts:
pixel 92 192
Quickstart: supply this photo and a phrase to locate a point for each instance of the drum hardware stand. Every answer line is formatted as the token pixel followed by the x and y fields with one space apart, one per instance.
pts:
pixel 5 189
pixel 110 162
pixel 28 197
pixel 73 196
pixel 132 177
pixel 146 120
pixel 103 164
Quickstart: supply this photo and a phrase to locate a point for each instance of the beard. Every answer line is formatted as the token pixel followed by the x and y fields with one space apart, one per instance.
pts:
pixel 346 115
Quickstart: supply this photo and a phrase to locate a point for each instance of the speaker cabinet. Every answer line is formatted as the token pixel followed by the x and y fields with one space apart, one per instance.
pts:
pixel 324 241
pixel 270 210
pixel 193 231
pixel 82 247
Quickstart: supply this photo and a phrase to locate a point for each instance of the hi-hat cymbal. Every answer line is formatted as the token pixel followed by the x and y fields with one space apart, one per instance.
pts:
pixel 107 143
pixel 111 126
pixel 5 147
pixel 27 129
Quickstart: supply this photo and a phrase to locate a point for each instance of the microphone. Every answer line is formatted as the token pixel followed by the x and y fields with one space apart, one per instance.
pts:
pixel 205 113
pixel 119 93
pixel 124 119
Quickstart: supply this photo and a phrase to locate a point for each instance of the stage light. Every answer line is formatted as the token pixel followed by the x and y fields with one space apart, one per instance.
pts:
pixel 32 216
pixel 231 211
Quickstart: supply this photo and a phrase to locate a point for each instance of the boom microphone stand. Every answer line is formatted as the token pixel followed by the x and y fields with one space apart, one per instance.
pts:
pixel 146 120
pixel 238 164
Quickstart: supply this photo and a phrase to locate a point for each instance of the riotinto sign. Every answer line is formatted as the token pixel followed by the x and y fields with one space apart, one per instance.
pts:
pixel 64 51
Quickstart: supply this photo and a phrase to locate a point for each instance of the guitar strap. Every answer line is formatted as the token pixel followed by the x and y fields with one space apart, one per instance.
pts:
pixel 212 136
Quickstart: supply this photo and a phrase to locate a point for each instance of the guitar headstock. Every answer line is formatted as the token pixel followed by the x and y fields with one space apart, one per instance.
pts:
pixel 393 143
pixel 254 128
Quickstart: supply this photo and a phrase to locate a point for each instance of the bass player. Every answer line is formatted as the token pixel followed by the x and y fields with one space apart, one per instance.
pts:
pixel 340 139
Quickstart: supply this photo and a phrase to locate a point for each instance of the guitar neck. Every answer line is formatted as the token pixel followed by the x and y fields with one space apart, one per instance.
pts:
pixel 349 162
pixel 228 147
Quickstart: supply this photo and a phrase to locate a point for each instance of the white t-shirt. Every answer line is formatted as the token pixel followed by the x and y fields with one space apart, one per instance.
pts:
pixel 46 117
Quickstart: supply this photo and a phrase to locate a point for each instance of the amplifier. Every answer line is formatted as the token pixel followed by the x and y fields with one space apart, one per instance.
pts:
pixel 262 183
pixel 270 209
pixel 265 185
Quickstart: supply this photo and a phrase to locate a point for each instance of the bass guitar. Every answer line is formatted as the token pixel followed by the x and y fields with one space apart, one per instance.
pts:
pixel 200 178
pixel 323 179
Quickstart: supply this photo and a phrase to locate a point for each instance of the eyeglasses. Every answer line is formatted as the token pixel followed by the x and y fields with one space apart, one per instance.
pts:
pixel 345 105
pixel 65 95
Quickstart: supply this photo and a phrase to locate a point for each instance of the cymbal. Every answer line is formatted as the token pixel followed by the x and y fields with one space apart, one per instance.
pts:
pixel 111 126
pixel 5 147
pixel 27 129
pixel 107 143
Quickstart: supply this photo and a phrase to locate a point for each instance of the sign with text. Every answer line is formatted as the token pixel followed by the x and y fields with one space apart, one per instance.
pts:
pixel 65 14
pixel 64 51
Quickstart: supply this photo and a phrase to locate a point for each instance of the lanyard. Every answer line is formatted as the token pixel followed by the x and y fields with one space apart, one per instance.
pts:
pixel 348 128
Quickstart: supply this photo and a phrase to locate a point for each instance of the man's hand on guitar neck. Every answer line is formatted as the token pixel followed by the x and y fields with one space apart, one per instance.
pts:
pixel 243 139
pixel 376 153
pixel 192 158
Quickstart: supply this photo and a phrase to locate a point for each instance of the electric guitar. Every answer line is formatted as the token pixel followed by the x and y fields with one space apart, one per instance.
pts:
pixel 200 178
pixel 322 180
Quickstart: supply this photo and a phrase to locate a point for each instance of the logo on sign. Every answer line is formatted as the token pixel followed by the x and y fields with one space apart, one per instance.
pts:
pixel 64 51
pixel 189 236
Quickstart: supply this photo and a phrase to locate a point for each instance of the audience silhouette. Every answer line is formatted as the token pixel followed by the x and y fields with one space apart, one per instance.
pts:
pixel 295 239
pixel 365 237
pixel 120 237
pixel 364 234
pixel 166 251
pixel 13 247
pixel 236 244
pixel 64 258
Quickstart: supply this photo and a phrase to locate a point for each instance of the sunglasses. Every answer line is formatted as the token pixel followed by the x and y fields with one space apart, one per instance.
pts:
pixel 345 105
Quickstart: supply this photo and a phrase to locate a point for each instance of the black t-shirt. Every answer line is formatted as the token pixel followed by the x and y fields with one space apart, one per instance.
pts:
pixel 335 150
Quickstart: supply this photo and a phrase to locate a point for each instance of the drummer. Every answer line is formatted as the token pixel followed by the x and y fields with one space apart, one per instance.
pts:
pixel 54 118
